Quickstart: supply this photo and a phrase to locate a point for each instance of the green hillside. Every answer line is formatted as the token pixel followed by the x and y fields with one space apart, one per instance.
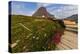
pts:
pixel 32 33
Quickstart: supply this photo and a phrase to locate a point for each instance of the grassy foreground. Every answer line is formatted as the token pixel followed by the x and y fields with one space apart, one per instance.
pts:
pixel 32 33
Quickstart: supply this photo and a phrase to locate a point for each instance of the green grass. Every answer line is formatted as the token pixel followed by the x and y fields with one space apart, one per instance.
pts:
pixel 36 37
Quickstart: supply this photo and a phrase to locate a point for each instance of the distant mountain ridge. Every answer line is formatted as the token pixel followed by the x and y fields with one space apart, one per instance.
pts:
pixel 73 18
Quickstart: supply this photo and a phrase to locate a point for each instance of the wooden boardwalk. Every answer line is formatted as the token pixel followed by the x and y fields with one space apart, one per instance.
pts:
pixel 70 38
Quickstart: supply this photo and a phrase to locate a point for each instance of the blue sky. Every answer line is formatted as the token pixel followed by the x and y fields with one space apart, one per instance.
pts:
pixel 29 8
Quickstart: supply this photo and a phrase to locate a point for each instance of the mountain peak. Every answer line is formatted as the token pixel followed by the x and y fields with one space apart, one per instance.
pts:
pixel 42 12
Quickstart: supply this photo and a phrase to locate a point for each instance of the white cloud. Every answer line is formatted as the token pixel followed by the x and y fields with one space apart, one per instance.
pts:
pixel 42 4
pixel 64 11
pixel 46 5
